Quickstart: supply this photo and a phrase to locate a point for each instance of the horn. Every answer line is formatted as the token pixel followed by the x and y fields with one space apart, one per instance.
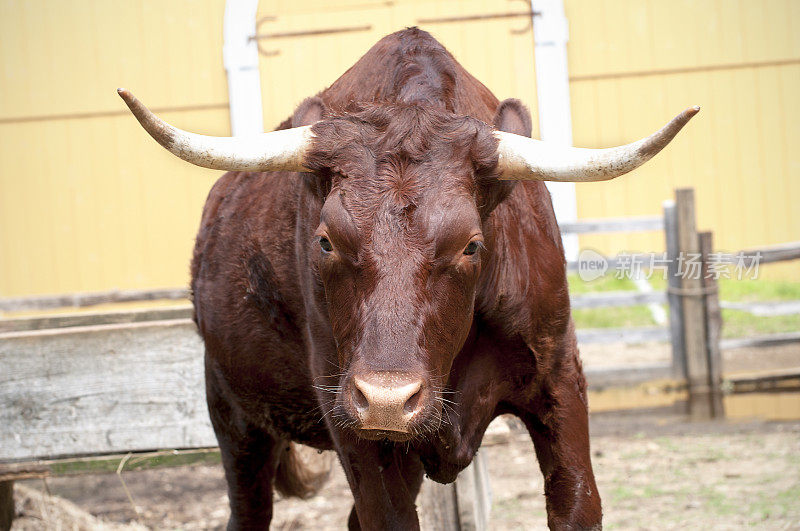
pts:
pixel 523 158
pixel 275 151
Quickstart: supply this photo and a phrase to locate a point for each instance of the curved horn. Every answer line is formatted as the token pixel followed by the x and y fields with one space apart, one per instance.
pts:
pixel 275 151
pixel 523 158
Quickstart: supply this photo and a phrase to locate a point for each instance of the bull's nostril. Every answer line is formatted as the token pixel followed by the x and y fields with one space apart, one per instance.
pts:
pixel 412 403
pixel 359 400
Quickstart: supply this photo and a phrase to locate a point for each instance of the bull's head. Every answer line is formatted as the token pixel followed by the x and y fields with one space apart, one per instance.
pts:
pixel 398 267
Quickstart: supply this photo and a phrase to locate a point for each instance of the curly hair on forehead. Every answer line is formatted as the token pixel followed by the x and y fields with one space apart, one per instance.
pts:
pixel 357 143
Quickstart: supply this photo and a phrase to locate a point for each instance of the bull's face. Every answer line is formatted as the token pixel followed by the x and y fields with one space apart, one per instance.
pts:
pixel 398 250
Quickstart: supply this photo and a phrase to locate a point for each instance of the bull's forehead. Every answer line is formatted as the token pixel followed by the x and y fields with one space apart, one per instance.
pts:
pixel 408 213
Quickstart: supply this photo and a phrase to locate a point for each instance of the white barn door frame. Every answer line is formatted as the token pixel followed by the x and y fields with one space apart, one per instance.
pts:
pixel 550 34
pixel 240 56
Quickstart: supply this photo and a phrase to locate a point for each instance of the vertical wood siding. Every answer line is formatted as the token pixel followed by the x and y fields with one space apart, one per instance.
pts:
pixel 635 63
pixel 87 200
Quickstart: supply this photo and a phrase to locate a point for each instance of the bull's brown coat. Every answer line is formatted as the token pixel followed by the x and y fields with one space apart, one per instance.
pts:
pixel 404 178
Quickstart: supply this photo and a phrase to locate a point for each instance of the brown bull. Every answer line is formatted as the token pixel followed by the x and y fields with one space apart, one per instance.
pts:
pixel 397 295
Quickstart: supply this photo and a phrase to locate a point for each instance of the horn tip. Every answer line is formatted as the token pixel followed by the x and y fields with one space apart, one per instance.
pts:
pixel 125 94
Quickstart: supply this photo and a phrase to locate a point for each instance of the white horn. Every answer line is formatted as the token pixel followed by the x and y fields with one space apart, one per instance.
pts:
pixel 523 158
pixel 275 151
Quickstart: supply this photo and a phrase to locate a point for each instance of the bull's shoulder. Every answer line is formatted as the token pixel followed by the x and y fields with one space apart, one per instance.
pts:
pixel 244 251
pixel 524 286
pixel 246 206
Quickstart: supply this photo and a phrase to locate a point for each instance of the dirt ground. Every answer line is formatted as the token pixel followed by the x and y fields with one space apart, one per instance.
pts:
pixel 654 470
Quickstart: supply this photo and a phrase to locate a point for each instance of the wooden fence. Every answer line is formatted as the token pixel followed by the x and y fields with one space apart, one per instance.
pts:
pixel 695 320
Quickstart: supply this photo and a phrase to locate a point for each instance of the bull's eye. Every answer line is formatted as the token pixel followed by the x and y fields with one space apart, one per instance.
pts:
pixel 325 244
pixel 471 248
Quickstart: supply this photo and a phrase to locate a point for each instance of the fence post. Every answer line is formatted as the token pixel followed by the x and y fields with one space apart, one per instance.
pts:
pixel 713 318
pixel 462 506
pixel 6 504
pixel 438 507
pixel 474 495
pixel 691 293
pixel 673 287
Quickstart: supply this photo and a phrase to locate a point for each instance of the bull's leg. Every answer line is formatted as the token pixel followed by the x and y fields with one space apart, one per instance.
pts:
pixel 385 479
pixel 250 458
pixel 559 427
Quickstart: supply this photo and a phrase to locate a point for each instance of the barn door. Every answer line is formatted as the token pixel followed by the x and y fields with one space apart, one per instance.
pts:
pixel 306 47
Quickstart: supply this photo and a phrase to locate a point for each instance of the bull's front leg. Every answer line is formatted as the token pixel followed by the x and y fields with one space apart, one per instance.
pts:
pixel 385 479
pixel 558 422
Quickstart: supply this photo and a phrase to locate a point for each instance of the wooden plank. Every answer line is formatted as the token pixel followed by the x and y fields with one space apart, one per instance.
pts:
pixel 694 328
pixel 764 309
pixel 766 340
pixel 713 316
pixel 775 381
pixel 775 253
pixel 642 334
pixel 438 508
pixel 18 471
pixel 617 298
pixel 102 389
pixel 473 496
pixel 78 300
pixel 109 464
pixel 602 378
pixel 95 318
pixel 674 284
pixel 631 224
pixel 460 506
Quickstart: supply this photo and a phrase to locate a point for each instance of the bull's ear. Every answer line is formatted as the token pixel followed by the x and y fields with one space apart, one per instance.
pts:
pixel 513 116
pixel 310 111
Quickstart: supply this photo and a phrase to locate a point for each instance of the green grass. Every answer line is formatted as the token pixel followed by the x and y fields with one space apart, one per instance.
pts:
pixel 616 317
pixel 732 290
pixel 735 323
pixel 606 283
pixel 758 290
pixel 717 502
pixel 741 324
pixel 767 503
pixel 143 461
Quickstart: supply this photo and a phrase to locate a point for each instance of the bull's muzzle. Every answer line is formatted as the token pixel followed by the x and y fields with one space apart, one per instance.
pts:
pixel 387 401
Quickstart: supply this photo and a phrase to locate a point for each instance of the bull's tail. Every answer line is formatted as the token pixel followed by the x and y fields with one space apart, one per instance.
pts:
pixel 295 478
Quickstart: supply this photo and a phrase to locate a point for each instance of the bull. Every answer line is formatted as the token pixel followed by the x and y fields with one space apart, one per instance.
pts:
pixel 382 276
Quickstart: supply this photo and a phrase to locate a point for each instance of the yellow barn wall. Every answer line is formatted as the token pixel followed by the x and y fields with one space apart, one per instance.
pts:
pixel 88 202
pixel 634 64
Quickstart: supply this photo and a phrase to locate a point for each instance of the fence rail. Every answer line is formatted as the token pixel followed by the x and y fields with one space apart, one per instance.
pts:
pixel 764 309
pixel 631 224
pixel 766 340
pixel 81 300
pixel 617 298
pixel 776 253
